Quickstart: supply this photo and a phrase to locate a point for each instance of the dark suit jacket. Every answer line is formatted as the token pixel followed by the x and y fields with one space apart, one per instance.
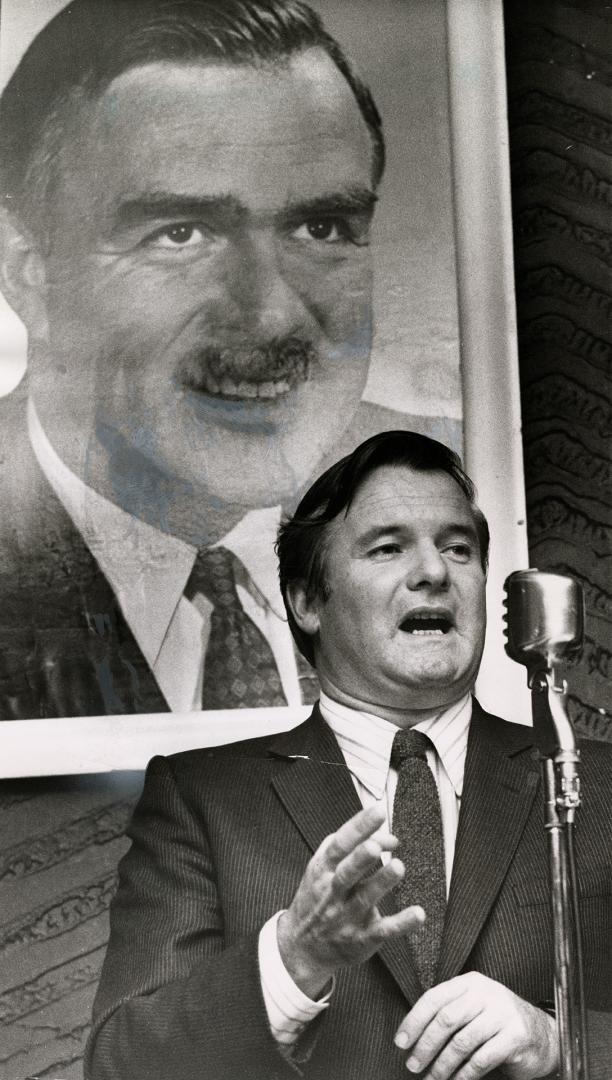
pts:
pixel 221 839
pixel 65 648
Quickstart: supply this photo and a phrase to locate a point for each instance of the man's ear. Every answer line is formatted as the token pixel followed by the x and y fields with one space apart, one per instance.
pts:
pixel 303 609
pixel 23 277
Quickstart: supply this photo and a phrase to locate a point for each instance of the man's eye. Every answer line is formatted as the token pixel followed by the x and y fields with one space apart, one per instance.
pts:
pixel 324 230
pixel 173 237
pixel 463 552
pixel 382 551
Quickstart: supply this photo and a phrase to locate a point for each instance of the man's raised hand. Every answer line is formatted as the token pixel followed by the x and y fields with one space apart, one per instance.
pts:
pixel 333 920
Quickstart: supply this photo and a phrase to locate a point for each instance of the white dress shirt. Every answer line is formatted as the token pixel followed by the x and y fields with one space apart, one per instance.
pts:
pixel 366 741
pixel 148 570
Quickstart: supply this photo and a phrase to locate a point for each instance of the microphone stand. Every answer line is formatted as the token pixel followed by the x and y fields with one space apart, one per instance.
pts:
pixel 555 740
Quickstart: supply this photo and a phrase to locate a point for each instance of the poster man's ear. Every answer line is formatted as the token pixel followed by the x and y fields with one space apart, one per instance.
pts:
pixel 303 609
pixel 22 276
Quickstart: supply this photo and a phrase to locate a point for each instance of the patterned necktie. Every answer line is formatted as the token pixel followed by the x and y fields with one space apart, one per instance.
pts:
pixel 239 668
pixel 417 823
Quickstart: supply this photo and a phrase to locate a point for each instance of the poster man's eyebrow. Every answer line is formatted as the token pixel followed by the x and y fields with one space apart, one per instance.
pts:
pixel 351 200
pixel 159 205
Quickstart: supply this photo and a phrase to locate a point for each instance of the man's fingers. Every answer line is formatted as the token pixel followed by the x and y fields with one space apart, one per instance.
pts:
pixel 453 1017
pixel 341 843
pixel 350 871
pixel 371 889
pixel 426 1008
pixel 488 1057
pixel 452 1038
pixel 407 921
pixel 361 861
pixel 469 1045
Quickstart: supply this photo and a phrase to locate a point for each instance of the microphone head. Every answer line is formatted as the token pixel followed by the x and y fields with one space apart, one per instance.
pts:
pixel 545 618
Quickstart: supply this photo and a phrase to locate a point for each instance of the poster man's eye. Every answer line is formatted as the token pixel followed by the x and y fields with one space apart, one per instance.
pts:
pixel 325 230
pixel 183 235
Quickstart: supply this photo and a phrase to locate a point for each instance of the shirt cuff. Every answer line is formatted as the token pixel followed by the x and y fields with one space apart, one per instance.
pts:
pixel 289 1010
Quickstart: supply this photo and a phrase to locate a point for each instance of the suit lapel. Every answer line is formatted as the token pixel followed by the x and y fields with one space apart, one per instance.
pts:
pixel 132 687
pixel 82 636
pixel 317 791
pixel 319 795
pixel 500 783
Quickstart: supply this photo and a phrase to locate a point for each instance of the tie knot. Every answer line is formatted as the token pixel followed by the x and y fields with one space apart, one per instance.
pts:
pixel 213 575
pixel 409 744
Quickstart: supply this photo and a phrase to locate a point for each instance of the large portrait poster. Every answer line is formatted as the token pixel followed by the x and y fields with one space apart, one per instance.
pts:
pixel 140 455
pixel 217 292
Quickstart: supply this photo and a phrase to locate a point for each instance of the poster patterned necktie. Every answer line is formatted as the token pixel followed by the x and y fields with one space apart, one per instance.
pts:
pixel 417 823
pixel 239 668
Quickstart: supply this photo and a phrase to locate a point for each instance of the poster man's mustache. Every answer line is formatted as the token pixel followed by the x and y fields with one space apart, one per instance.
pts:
pixel 287 358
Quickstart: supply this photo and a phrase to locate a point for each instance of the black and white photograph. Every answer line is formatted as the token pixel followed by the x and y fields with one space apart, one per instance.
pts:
pixel 304 362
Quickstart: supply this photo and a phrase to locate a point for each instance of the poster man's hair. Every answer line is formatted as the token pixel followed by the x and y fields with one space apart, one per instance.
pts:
pixel 89 43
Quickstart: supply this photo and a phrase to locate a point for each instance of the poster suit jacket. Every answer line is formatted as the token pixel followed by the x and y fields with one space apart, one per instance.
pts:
pixel 65 648
pixel 221 839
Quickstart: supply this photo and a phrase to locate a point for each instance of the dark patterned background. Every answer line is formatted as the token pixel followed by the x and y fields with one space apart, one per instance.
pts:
pixel 60 839
pixel 559 64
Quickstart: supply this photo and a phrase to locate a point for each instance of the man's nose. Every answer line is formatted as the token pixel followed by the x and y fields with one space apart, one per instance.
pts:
pixel 265 295
pixel 427 568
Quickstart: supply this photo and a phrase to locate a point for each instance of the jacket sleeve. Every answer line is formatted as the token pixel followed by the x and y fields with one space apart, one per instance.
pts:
pixel 173 1001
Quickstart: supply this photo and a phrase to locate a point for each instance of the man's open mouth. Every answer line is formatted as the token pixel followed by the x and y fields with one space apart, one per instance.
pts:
pixel 261 374
pixel 425 625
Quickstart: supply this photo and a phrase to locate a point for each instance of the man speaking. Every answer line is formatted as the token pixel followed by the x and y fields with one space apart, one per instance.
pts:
pixel 367 893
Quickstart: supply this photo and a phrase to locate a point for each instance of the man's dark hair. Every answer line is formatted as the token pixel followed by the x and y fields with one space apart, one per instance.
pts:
pixel 90 42
pixel 301 544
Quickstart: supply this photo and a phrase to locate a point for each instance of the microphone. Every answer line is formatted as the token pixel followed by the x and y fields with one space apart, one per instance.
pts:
pixel 544 617
pixel 545 626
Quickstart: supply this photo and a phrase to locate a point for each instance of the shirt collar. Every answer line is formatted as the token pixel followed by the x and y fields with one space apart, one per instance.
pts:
pixel 147 568
pixel 366 740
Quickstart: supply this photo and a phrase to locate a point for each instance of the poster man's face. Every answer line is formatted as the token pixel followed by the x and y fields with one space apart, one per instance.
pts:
pixel 209 286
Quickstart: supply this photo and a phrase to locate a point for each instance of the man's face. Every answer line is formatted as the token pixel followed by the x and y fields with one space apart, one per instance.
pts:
pixel 403 626
pixel 209 298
